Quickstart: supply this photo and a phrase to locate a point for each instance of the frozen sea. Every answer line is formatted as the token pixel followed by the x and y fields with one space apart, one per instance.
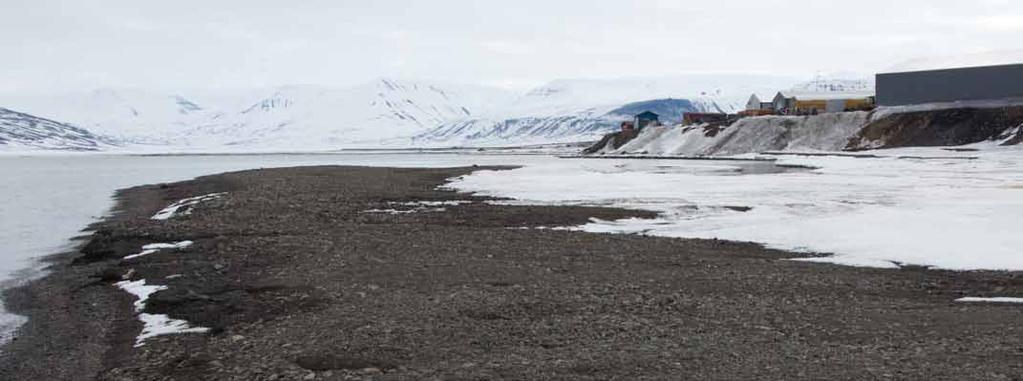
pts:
pixel 927 206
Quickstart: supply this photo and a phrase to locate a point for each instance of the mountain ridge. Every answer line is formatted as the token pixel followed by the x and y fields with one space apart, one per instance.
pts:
pixel 388 113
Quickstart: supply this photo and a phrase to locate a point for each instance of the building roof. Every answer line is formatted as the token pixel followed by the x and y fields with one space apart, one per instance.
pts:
pixel 995 58
pixel 823 96
pixel 647 114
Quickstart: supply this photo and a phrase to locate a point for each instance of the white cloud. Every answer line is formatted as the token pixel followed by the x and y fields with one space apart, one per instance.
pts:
pixel 190 44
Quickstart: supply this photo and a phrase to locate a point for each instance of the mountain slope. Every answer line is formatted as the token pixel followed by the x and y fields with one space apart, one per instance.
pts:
pixel 582 110
pixel 392 113
pixel 123 114
pixel 588 124
pixel 20 130
pixel 378 113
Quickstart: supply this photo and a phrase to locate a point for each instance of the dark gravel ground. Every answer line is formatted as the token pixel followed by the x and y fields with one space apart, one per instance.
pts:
pixel 297 282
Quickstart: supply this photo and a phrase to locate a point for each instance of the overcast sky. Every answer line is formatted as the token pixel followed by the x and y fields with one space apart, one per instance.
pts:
pixel 234 44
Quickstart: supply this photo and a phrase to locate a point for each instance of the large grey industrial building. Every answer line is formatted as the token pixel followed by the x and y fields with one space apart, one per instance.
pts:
pixel 950 85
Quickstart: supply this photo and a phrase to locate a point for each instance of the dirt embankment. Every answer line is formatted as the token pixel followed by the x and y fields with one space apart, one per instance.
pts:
pixel 298 279
pixel 939 128
pixel 833 132
pixel 612 141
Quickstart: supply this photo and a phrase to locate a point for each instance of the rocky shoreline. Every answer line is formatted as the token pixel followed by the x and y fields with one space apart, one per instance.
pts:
pixel 340 273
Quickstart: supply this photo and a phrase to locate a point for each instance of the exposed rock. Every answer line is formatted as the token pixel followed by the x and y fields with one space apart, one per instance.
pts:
pixel 614 140
pixel 949 127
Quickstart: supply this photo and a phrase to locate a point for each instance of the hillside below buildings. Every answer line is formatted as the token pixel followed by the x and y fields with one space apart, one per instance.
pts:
pixel 937 107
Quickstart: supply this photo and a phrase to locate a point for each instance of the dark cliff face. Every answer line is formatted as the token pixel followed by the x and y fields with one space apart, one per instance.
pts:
pixel 938 128
pixel 615 139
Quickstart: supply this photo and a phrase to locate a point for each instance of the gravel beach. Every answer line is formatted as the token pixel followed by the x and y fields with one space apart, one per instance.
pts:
pixel 335 273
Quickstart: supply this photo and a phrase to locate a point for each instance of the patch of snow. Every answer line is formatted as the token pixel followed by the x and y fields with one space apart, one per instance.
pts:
pixel 851 261
pixel 942 211
pixel 1001 299
pixel 433 203
pixel 187 203
pixel 409 211
pixel 154 247
pixel 154 324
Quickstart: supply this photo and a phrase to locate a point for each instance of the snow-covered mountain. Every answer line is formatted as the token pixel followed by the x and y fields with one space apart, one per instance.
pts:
pixel 583 109
pixel 837 83
pixel 122 114
pixel 390 113
pixel 585 125
pixel 384 112
pixel 23 131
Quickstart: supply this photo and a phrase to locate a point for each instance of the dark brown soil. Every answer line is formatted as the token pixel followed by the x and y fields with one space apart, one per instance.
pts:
pixel 937 128
pixel 615 139
pixel 298 282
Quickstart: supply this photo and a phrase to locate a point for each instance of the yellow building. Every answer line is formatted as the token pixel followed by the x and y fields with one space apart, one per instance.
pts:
pixel 802 103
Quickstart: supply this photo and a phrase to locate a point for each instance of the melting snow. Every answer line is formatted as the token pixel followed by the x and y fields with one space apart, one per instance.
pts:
pixel 154 324
pixel 419 206
pixel 432 203
pixel 409 211
pixel 1001 299
pixel 187 203
pixel 942 212
pixel 154 247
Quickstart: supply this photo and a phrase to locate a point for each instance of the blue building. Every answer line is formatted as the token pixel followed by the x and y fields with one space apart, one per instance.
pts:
pixel 646 118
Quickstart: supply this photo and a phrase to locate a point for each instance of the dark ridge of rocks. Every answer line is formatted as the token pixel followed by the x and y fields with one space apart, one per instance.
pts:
pixel 951 127
pixel 1014 137
pixel 615 139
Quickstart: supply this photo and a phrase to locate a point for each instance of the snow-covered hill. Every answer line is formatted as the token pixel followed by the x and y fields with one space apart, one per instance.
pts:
pixel 390 113
pixel 20 131
pixel 837 83
pixel 579 109
pixel 123 114
pixel 384 112
pixel 584 125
